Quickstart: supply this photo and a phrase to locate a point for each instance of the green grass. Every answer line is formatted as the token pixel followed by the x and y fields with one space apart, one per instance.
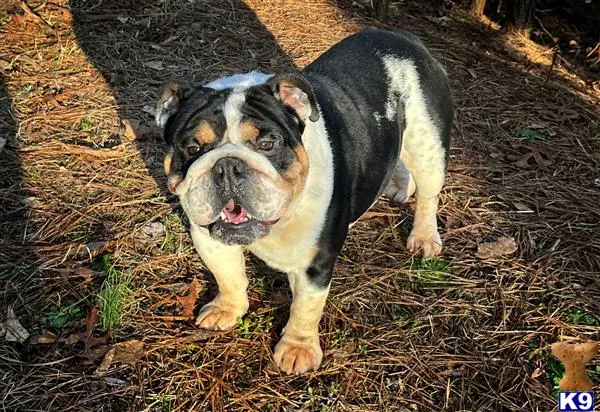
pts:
pixel 85 125
pixel 341 336
pixel 526 133
pixel 61 316
pixel 431 270
pixel 405 317
pixel 116 297
pixel 34 175
pixel 162 402
pixel 254 324
pixel 580 316
pixel 174 227
pixel 554 371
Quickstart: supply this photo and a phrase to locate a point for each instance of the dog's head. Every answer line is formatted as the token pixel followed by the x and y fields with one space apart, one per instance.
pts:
pixel 236 158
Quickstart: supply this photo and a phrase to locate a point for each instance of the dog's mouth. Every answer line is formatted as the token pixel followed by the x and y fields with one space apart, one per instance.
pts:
pixel 236 226
pixel 234 213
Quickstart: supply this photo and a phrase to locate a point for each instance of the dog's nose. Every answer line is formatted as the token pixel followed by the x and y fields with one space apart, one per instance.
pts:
pixel 228 172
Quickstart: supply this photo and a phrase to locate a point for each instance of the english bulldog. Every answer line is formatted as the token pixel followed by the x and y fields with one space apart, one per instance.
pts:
pixel 283 164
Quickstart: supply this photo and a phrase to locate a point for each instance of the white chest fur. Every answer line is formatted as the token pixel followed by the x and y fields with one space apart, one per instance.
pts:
pixel 292 243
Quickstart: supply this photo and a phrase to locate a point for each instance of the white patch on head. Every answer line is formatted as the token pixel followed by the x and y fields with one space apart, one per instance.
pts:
pixel 232 111
pixel 239 81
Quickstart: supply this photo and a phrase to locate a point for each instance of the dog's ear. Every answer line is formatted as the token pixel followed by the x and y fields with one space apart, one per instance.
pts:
pixel 172 96
pixel 293 90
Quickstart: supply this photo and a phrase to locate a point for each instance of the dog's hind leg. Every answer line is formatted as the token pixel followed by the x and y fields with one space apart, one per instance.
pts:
pixel 424 127
pixel 424 157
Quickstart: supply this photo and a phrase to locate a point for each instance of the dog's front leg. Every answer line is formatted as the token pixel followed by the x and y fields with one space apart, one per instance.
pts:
pixel 298 349
pixel 227 266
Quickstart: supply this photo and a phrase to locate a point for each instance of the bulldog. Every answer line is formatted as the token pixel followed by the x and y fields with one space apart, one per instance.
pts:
pixel 283 164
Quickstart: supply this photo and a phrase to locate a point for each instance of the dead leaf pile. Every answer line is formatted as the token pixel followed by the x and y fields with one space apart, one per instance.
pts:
pixel 542 158
pixel 503 246
pixel 94 346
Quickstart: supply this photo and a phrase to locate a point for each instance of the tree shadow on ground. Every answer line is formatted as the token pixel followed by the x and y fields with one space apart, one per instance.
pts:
pixel 139 46
pixel 87 171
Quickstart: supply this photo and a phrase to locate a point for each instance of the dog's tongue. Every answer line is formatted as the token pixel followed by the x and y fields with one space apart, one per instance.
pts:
pixel 234 213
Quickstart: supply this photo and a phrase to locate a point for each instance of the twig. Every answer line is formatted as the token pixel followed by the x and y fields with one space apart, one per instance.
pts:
pixel 33 15
pixel 554 57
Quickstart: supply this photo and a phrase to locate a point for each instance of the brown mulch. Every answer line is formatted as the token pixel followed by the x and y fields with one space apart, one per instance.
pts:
pixel 459 333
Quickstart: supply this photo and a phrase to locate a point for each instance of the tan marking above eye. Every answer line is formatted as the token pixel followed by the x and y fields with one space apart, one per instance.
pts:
pixel 249 131
pixel 204 133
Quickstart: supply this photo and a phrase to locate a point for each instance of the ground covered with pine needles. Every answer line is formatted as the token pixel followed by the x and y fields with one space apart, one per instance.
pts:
pixel 94 254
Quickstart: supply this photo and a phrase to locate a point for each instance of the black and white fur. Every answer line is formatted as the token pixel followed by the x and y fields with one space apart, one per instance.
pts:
pixel 374 115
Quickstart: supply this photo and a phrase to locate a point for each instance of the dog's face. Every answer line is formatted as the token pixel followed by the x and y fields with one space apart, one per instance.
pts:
pixel 236 158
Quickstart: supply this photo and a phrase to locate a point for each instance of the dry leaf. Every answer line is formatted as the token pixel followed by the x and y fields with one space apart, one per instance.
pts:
pixel 130 353
pixel 92 351
pixel 67 15
pixel 149 109
pixel 372 215
pixel 536 373
pixel 521 207
pixel 4 64
pixel 188 302
pixel 12 328
pixel 46 337
pixel 542 158
pixel 72 339
pixel 135 129
pixel 93 249
pixel 149 234
pixel 502 246
pixel 130 125
pixel 154 64
pixel 86 273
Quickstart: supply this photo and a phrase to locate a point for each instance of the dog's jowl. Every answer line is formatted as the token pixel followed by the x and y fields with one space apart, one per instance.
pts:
pixel 283 164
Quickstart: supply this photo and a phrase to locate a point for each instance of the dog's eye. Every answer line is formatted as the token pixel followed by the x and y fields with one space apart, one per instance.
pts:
pixel 192 150
pixel 264 145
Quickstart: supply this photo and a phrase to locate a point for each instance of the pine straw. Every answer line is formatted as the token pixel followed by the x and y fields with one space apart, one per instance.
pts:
pixel 395 337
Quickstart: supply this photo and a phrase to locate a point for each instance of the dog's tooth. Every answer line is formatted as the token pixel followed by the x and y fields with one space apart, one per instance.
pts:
pixel 222 215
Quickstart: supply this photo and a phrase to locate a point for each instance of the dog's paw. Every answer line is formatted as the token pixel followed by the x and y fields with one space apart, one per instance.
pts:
pixel 219 316
pixel 295 356
pixel 428 244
